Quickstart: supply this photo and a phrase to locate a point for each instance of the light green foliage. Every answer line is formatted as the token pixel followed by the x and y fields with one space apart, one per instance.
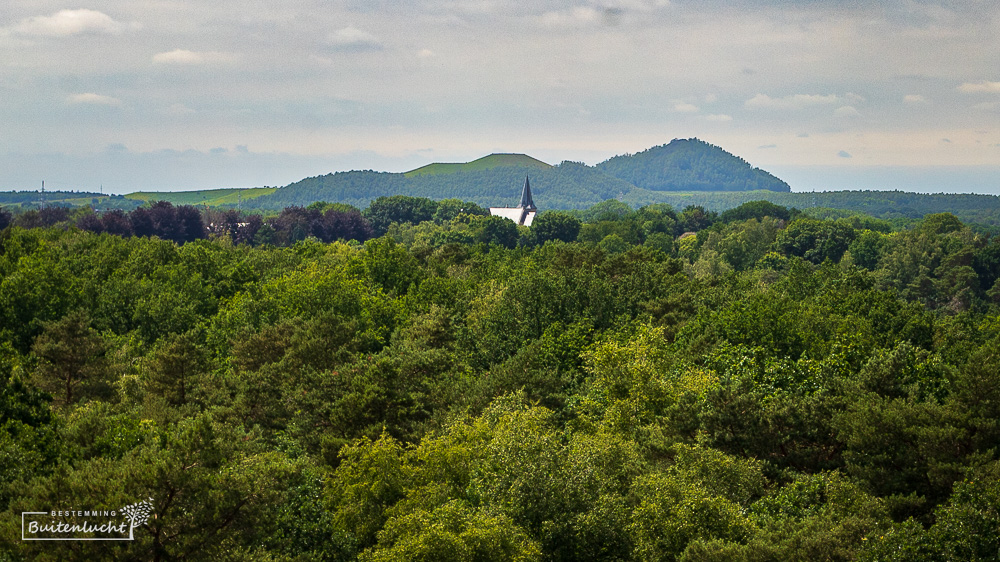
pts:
pixel 673 511
pixel 369 480
pixel 453 532
pixel 634 381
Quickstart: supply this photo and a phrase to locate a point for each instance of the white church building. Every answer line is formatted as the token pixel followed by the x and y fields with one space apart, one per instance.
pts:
pixel 525 211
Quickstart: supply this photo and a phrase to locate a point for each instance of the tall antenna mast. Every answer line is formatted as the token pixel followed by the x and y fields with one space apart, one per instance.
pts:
pixel 41 196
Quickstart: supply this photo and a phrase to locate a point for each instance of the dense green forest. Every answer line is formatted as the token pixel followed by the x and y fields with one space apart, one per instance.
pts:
pixel 419 381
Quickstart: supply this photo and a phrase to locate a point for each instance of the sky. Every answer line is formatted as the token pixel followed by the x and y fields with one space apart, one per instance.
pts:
pixel 181 94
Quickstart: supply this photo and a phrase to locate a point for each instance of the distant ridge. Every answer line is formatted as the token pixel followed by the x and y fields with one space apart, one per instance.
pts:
pixel 485 163
pixel 690 165
pixel 657 174
pixel 682 165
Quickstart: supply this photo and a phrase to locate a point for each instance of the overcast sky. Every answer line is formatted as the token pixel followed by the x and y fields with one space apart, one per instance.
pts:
pixel 183 94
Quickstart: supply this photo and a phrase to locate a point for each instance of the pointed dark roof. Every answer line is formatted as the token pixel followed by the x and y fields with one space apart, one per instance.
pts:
pixel 526 201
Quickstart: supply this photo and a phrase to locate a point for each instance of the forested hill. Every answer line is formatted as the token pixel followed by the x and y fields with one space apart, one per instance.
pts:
pixel 690 165
pixel 568 185
pixel 682 165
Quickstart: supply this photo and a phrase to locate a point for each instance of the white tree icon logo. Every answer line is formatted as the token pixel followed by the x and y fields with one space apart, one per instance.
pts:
pixel 137 514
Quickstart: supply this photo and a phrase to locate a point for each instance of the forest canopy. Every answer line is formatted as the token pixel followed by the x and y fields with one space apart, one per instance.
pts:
pixel 420 381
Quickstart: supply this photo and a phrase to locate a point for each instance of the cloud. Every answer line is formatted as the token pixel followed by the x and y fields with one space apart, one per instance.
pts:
pixel 914 99
pixel 71 22
pixel 844 154
pixel 353 39
pixel 92 99
pixel 573 17
pixel 803 135
pixel 425 53
pixel 682 107
pixel 980 87
pixel 719 117
pixel 847 111
pixel 796 101
pixel 185 57
pixel 765 146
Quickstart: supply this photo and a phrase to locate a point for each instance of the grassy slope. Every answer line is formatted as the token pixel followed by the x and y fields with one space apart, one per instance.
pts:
pixel 210 197
pixel 484 163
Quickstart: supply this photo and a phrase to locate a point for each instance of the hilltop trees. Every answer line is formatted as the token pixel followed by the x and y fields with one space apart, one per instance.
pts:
pixel 690 165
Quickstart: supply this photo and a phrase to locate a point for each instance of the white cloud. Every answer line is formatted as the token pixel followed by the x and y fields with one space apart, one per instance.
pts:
pixel 185 57
pixel 719 117
pixel 914 99
pixel 980 87
pixel 92 99
pixel 425 53
pixel 682 107
pixel 353 39
pixel 71 22
pixel 711 98
pixel 847 111
pixel 579 15
pixel 797 101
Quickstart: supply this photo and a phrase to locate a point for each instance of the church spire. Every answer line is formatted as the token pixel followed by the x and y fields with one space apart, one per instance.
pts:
pixel 526 201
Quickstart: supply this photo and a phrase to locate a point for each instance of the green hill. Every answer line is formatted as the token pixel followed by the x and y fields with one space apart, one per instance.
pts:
pixel 484 163
pixel 568 185
pixel 690 165
pixel 210 197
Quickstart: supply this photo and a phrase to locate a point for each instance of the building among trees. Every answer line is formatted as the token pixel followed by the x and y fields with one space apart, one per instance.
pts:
pixel 525 211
